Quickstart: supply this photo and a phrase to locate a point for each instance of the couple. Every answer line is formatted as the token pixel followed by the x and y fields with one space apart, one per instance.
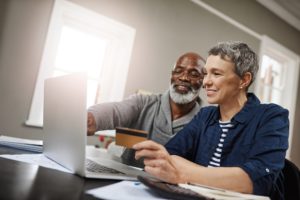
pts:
pixel 239 145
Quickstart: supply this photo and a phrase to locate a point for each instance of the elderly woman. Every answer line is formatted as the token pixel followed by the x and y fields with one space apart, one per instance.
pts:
pixel 238 145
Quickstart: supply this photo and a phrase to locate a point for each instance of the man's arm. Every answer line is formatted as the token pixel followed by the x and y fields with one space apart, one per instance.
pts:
pixel 110 115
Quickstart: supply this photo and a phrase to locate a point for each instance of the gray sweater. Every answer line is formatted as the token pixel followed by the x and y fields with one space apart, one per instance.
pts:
pixel 145 112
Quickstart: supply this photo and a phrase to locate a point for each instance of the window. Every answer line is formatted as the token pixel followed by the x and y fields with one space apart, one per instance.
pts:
pixel 272 80
pixel 277 79
pixel 81 40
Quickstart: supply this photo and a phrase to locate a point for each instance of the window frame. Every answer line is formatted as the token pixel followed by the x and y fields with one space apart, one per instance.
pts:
pixel 112 80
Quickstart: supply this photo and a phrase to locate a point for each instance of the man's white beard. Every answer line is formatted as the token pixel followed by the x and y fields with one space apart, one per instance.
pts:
pixel 183 98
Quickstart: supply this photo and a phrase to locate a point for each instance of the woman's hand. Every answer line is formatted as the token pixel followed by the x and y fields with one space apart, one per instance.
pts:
pixel 158 162
pixel 175 169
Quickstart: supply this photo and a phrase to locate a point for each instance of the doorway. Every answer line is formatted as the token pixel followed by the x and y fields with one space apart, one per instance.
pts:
pixel 277 78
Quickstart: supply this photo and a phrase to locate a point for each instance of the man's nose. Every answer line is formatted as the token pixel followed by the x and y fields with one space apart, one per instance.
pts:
pixel 184 75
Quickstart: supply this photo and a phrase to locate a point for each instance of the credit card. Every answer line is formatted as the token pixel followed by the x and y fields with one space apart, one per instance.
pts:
pixel 127 137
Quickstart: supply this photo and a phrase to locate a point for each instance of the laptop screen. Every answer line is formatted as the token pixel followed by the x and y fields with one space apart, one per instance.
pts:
pixel 65 119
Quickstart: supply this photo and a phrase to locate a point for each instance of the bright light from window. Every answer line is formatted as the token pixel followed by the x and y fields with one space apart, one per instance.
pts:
pixel 271 80
pixel 80 51
pixel 275 68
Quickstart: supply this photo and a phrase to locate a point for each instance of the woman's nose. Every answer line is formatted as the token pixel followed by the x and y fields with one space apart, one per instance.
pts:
pixel 206 80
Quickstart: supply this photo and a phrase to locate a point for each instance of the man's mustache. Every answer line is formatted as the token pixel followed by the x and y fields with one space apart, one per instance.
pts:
pixel 188 85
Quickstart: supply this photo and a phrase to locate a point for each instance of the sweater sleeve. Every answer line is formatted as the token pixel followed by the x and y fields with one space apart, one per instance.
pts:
pixel 113 114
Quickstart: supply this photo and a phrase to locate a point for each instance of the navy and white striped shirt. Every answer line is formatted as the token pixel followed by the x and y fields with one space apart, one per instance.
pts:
pixel 215 160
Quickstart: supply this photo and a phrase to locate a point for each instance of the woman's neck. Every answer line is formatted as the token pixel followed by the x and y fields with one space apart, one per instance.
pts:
pixel 227 111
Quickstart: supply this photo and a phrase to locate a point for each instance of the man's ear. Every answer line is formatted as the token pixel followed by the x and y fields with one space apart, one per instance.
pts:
pixel 246 80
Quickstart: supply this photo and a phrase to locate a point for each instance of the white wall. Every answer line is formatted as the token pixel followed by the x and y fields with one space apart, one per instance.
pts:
pixel 164 30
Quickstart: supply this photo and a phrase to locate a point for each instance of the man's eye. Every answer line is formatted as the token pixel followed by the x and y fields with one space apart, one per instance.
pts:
pixel 194 74
pixel 177 71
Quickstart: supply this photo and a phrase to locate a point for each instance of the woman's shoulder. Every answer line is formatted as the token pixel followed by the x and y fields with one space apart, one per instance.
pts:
pixel 272 107
pixel 272 110
pixel 208 109
pixel 207 112
pixel 256 105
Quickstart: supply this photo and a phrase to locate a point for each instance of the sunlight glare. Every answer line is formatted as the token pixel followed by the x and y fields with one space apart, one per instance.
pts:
pixel 80 51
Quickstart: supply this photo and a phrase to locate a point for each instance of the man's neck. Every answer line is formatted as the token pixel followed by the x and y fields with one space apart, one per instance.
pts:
pixel 179 110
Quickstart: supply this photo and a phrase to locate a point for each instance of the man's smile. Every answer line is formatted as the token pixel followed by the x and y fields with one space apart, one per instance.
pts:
pixel 183 87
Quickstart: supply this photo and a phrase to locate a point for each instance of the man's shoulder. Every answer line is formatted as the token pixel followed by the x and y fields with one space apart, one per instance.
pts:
pixel 145 98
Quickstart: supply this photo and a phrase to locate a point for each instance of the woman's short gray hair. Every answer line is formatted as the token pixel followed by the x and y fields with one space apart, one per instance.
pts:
pixel 240 54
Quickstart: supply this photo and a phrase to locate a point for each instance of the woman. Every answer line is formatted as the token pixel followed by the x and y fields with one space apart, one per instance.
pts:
pixel 238 145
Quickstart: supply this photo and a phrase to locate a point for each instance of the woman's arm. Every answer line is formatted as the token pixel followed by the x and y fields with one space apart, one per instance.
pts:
pixel 174 169
pixel 231 178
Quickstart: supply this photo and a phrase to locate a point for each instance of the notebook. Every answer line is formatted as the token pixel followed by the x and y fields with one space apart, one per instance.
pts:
pixel 65 127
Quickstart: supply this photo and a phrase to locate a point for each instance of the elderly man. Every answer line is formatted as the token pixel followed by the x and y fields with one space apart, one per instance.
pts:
pixel 161 115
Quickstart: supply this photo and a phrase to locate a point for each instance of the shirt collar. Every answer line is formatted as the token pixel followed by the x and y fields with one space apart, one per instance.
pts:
pixel 248 110
pixel 165 106
pixel 245 113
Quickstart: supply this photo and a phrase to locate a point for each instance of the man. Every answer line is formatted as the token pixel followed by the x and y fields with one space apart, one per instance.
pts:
pixel 161 115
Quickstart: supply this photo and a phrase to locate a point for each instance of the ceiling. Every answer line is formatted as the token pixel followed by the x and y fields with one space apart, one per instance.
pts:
pixel 288 10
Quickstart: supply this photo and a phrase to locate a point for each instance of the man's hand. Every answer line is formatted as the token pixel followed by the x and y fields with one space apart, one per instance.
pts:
pixel 158 161
pixel 91 124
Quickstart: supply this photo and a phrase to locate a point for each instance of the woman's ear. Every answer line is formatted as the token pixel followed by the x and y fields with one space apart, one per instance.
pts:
pixel 246 80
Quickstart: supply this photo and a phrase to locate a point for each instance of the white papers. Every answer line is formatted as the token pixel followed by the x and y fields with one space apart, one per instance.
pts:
pixel 20 143
pixel 37 159
pixel 42 160
pixel 221 194
pixel 125 190
pixel 108 133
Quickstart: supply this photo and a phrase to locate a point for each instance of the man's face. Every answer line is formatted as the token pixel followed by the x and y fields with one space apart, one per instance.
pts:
pixel 186 79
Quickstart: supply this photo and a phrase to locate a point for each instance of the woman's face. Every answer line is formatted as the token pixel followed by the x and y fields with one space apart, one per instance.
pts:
pixel 221 83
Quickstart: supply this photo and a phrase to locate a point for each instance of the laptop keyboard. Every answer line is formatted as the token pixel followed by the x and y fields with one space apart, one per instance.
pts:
pixel 92 166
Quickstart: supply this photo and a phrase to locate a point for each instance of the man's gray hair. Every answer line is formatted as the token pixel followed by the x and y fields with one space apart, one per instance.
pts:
pixel 240 54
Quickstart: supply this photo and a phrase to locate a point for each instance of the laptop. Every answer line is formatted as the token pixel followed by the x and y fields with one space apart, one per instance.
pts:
pixel 65 127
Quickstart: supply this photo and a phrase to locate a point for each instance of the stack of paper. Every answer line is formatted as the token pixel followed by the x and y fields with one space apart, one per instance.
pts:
pixel 221 194
pixel 36 159
pixel 23 144
pixel 125 190
pixel 128 190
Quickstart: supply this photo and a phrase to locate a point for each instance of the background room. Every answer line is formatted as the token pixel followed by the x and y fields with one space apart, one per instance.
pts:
pixel 140 41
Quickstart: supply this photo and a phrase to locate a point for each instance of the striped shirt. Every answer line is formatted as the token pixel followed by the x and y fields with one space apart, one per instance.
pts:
pixel 215 160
